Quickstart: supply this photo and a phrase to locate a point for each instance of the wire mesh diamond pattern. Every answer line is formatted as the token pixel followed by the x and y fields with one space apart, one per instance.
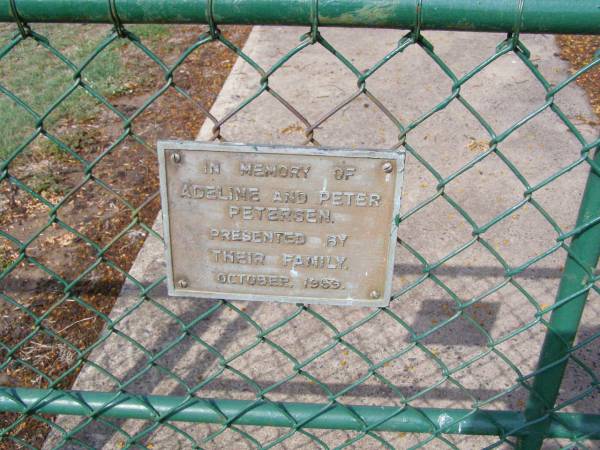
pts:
pixel 266 362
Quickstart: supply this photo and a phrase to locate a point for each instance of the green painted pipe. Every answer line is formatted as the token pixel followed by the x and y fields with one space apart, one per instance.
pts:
pixel 565 319
pixel 538 16
pixel 421 420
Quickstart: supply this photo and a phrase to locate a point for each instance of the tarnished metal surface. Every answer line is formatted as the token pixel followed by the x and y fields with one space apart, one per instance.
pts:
pixel 280 224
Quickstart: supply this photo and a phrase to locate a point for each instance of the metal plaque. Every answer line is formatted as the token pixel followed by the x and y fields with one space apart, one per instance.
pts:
pixel 280 224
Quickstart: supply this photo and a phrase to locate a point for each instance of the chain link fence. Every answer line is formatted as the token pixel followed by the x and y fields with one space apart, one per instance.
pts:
pixel 475 304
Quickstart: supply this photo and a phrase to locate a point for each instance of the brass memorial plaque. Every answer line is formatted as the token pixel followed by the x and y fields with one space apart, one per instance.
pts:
pixel 280 224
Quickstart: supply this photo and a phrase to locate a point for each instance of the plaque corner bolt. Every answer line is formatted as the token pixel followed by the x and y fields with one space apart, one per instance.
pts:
pixel 375 295
pixel 388 167
pixel 182 283
pixel 176 158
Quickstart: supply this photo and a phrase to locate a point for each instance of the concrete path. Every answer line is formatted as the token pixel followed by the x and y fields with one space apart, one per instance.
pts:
pixel 409 85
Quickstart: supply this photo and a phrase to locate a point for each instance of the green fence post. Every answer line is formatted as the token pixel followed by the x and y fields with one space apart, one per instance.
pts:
pixel 564 321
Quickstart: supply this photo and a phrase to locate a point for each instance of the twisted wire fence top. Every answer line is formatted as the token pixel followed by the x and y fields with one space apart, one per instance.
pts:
pixel 339 339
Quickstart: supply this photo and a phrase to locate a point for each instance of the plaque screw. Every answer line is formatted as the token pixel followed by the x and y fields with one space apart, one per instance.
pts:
pixel 182 284
pixel 176 158
pixel 374 294
pixel 388 167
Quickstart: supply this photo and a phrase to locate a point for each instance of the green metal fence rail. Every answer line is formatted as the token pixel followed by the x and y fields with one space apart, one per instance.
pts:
pixel 542 417
pixel 538 16
pixel 376 418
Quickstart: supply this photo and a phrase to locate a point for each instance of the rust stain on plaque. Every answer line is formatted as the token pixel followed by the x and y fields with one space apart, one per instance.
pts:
pixel 281 224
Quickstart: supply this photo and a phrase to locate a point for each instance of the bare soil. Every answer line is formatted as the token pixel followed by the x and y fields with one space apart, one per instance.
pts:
pixel 579 51
pixel 45 322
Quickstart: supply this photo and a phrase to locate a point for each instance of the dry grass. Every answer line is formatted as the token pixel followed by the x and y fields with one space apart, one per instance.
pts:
pixel 579 51
pixel 99 215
